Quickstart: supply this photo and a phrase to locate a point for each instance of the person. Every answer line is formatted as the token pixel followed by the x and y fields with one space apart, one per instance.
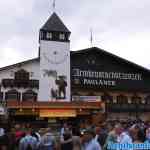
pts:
pixel 48 141
pixel 100 135
pixel 2 133
pixel 111 138
pixel 4 140
pixel 89 143
pixel 147 134
pixel 37 136
pixel 62 84
pixel 137 134
pixel 11 136
pixel 67 141
pixel 63 130
pixel 76 138
pixel 28 142
pixel 18 134
pixel 123 137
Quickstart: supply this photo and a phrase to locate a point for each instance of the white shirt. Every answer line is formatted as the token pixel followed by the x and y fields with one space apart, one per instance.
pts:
pixel 124 138
pixel 92 145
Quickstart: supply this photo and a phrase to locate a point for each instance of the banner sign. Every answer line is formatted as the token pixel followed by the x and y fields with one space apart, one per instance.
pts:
pixel 89 78
pixel 99 78
pixel 57 113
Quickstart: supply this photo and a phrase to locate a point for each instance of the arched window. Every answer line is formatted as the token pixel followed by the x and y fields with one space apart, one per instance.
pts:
pixel 147 99
pixel 121 99
pixel 12 95
pixel 136 99
pixel 29 95
pixel 107 98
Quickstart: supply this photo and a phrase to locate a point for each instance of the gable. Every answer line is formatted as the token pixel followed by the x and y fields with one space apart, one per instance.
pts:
pixel 96 68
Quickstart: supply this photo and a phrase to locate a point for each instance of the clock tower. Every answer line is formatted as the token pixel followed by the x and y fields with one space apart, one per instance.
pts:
pixel 54 61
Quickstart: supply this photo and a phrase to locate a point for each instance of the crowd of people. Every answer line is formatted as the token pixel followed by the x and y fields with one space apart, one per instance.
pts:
pixel 83 137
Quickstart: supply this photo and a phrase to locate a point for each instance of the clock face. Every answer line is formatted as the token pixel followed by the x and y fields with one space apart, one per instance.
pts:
pixel 56 56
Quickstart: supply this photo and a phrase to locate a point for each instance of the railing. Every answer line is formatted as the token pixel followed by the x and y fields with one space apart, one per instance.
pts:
pixel 20 83
pixel 127 107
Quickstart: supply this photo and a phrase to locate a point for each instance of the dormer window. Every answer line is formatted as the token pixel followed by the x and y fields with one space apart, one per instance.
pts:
pixel 49 35
pixel 61 36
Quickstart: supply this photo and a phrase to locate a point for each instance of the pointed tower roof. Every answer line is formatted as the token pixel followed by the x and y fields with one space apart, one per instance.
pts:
pixel 54 23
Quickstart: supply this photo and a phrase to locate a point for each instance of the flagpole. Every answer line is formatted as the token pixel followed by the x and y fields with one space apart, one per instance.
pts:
pixel 91 37
pixel 54 5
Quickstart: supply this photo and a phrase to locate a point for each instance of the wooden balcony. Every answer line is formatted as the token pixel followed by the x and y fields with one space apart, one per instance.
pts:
pixel 20 83
pixel 14 104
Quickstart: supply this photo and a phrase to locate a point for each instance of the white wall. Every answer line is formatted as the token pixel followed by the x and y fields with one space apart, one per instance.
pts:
pixel 32 67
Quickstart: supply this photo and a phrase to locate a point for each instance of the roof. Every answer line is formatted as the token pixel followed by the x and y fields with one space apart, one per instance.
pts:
pixel 19 64
pixel 81 52
pixel 112 55
pixel 54 23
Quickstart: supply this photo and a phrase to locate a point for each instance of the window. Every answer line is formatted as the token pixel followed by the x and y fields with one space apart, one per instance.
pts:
pixel 61 36
pixel 22 75
pixel 29 95
pixel 136 99
pixel 34 83
pixel 12 95
pixel 121 99
pixel 147 99
pixel 107 98
pixel 49 35
pixel 8 82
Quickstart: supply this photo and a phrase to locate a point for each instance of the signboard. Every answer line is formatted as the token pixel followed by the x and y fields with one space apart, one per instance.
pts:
pixel 86 98
pixel 118 80
pixel 57 113
pixel 100 78
pixel 54 71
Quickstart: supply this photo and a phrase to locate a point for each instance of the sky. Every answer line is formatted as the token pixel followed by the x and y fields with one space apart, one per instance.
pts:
pixel 120 27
